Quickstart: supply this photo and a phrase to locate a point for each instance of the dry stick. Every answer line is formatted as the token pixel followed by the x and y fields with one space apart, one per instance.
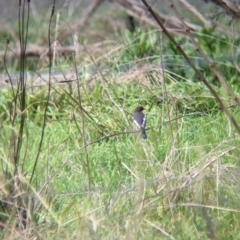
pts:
pixel 231 10
pixel 69 28
pixel 136 10
pixel 209 63
pixel 133 9
pixel 201 77
pixel 207 23
pixel 36 51
pixel 89 13
pixel 193 9
pixel 48 96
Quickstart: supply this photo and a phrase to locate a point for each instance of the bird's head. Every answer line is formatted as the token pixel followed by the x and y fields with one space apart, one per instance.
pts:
pixel 139 109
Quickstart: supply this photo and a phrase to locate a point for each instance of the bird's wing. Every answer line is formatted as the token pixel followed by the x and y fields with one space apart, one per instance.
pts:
pixel 144 121
pixel 137 123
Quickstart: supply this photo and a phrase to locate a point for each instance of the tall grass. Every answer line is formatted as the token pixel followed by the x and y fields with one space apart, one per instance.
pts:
pixel 82 170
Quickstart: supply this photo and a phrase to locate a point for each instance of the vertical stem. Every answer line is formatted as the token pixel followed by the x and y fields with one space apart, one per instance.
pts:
pixel 48 94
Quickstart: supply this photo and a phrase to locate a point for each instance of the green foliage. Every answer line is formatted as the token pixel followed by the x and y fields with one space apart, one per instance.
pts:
pixel 96 179
pixel 139 45
pixel 218 48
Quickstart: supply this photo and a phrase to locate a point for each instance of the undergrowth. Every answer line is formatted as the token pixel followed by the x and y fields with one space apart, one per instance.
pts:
pixel 95 178
pixel 138 188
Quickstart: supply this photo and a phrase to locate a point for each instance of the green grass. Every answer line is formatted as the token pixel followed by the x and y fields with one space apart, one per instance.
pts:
pixel 130 194
pixel 97 179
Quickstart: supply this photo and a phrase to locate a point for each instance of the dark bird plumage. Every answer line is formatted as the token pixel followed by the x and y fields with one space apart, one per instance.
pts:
pixel 140 120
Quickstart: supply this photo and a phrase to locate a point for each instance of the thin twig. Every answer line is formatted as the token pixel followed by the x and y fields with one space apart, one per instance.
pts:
pixel 48 95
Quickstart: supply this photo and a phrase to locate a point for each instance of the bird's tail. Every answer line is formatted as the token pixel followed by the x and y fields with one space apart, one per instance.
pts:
pixel 144 135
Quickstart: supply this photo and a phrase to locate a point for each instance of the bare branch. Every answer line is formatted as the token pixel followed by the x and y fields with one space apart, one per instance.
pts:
pixel 231 7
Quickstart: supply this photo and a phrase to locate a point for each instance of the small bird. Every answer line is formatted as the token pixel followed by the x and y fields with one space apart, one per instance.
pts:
pixel 140 120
